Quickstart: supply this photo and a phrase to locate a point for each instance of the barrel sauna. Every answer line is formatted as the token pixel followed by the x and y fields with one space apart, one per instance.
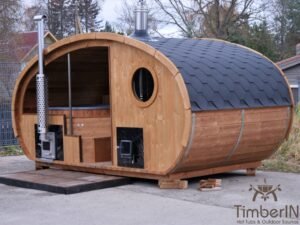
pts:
pixel 164 109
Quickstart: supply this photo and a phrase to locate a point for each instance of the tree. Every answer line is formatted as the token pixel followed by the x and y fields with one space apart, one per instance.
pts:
pixel 280 10
pixel 208 18
pixel 286 26
pixel 9 18
pixel 62 16
pixel 222 19
pixel 9 21
pixel 262 40
pixel 89 11
pixel 126 20
pixel 39 7
pixel 183 14
pixel 59 17
pixel 293 34
pixel 108 28
pixel 126 17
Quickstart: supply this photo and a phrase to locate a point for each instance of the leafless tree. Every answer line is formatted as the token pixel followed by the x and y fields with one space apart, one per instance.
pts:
pixel 209 18
pixel 9 18
pixel 9 24
pixel 125 19
pixel 37 8
pixel 183 14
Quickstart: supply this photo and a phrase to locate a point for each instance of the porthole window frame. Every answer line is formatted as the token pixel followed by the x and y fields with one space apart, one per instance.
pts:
pixel 151 100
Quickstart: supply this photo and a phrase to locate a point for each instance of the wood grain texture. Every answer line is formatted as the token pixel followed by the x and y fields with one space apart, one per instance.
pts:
pixel 91 113
pixel 95 134
pixel 163 121
pixel 91 127
pixel 214 170
pixel 173 184
pixel 102 149
pixel 72 149
pixel 216 134
pixel 104 168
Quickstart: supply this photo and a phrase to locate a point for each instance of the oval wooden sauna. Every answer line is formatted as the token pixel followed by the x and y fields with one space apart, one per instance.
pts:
pixel 156 108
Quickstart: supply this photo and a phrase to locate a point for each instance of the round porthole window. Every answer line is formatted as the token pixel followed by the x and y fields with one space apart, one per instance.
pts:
pixel 143 84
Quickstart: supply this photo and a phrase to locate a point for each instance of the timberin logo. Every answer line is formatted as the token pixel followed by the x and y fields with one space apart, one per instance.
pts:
pixel 264 191
pixel 265 213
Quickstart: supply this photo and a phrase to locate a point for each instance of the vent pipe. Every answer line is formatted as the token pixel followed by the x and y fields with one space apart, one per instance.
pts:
pixel 141 19
pixel 41 83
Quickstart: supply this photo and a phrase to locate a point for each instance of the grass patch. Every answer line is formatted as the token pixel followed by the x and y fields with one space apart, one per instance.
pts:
pixel 11 151
pixel 287 157
pixel 280 165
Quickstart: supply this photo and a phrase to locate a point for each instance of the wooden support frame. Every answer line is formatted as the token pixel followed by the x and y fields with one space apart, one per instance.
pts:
pixel 173 184
pixel 170 181
pixel 251 171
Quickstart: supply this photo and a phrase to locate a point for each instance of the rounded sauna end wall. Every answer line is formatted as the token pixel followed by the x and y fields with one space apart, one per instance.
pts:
pixel 166 120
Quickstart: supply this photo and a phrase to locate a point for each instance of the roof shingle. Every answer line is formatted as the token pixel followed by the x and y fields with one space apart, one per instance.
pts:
pixel 220 75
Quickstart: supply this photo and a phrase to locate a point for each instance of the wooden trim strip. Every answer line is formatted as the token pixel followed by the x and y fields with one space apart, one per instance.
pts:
pixel 145 175
pixel 190 143
pixel 231 153
pixel 214 170
pixel 187 149
pixel 99 169
pixel 288 125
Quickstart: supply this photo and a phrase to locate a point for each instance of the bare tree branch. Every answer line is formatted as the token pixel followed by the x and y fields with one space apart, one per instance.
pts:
pixel 196 18
pixel 126 21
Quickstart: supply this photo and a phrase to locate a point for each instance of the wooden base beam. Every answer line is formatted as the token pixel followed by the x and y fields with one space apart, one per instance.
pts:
pixel 129 172
pixel 40 167
pixel 173 184
pixel 251 171
pixel 215 170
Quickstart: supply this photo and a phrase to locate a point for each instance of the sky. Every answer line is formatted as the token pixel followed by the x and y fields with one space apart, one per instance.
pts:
pixel 108 12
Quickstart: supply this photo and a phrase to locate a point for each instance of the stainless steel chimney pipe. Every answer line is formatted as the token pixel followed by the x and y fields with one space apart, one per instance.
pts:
pixel 141 19
pixel 41 83
pixel 141 16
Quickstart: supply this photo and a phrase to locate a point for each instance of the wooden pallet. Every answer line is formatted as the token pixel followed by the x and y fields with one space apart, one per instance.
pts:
pixel 210 185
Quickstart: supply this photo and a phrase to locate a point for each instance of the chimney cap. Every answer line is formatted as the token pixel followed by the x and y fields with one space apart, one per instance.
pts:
pixel 142 3
pixel 39 17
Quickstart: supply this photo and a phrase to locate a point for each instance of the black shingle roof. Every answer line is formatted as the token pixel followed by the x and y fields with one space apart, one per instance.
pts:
pixel 220 75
